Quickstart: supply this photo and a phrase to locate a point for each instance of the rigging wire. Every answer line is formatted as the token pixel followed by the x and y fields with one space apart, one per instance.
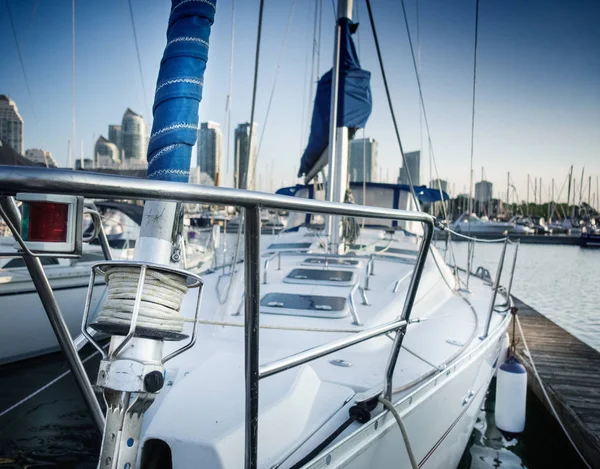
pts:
pixel 389 99
pixel 251 171
pixel 473 103
pixel 306 98
pixel 425 118
pixel 280 58
pixel 139 61
pixel 73 127
pixel 22 63
pixel 319 41
pixel 229 98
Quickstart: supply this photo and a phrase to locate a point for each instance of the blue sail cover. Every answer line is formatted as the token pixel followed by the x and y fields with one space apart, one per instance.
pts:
pixel 354 99
pixel 424 194
pixel 179 90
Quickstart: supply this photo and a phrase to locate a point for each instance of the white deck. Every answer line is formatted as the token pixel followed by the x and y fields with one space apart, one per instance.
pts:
pixel 207 382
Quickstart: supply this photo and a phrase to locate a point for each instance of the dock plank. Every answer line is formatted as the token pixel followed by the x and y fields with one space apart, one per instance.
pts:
pixel 570 371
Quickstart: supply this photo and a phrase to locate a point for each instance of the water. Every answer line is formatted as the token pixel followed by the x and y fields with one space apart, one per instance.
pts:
pixel 558 281
pixel 541 446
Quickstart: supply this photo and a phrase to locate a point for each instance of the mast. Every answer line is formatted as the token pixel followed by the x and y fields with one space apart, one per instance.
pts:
pixel 569 188
pixel 574 194
pixel 338 136
pixel 528 194
pixel 590 191
pixel 581 186
pixel 133 373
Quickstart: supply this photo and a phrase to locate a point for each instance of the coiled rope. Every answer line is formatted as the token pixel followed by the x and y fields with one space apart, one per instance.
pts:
pixel 161 299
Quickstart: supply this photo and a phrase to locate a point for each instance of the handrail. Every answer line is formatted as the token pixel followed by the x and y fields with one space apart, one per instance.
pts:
pixel 495 292
pixel 93 185
pixel 267 262
pixel 19 179
pixel 353 310
pixel 301 358
pixel 400 280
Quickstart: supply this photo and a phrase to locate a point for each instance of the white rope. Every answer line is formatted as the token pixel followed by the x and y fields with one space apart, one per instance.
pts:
pixel 535 372
pixel 160 302
pixel 389 406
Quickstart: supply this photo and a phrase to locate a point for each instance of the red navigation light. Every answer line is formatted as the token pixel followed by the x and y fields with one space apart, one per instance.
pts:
pixel 45 222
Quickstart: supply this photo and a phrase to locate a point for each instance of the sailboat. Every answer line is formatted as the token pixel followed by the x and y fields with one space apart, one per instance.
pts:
pixel 373 353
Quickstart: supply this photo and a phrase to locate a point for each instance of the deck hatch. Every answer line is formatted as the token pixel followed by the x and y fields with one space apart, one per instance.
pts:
pixel 331 262
pixel 304 305
pixel 289 246
pixel 336 278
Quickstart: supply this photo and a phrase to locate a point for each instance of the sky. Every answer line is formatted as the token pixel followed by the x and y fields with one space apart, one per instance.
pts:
pixel 537 105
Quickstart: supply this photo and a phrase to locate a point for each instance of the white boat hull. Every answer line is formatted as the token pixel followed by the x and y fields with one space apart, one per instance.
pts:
pixel 25 331
pixel 439 417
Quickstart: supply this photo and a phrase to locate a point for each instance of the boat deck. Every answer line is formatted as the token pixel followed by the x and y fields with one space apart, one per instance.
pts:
pixel 570 370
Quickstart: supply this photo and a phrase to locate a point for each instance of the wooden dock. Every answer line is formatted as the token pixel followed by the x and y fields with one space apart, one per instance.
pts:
pixel 570 370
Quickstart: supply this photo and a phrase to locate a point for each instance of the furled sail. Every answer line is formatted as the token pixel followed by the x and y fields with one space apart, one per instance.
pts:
pixel 179 90
pixel 354 99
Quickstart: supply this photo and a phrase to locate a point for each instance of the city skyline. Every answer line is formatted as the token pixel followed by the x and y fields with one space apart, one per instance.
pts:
pixel 11 124
pixel 244 155
pixel 538 100
pixel 210 150
pixel 362 159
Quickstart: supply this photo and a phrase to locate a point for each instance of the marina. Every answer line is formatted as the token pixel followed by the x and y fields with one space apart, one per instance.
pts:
pixel 164 305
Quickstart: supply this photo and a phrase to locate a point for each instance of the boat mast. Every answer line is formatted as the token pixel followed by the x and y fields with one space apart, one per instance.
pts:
pixel 528 195
pixel 569 188
pixel 338 137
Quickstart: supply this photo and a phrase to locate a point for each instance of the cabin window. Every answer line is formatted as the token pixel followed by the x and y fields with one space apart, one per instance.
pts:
pixel 304 305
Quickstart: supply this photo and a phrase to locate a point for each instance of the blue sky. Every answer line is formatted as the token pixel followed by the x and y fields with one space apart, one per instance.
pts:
pixel 538 89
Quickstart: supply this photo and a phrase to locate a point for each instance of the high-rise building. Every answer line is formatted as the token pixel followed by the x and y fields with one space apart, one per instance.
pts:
pixel 437 183
pixel 11 124
pixel 133 136
pixel 243 157
pixel 413 166
pixel 483 191
pixel 209 150
pixel 114 134
pixel 41 156
pixel 363 160
pixel 106 153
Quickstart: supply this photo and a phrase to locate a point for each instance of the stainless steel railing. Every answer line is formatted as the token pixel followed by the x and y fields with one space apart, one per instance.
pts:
pixel 13 179
pixel 496 284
